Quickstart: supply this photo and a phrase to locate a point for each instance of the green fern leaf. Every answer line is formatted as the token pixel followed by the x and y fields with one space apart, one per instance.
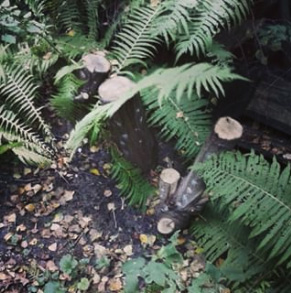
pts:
pixel 186 120
pixel 135 42
pixel 20 91
pixel 130 181
pixel 218 237
pixel 186 77
pixel 208 18
pixel 258 195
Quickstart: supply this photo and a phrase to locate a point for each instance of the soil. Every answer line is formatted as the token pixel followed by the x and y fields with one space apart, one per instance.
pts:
pixel 71 209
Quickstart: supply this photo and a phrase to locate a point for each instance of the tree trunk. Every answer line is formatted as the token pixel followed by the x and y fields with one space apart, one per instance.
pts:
pixel 128 126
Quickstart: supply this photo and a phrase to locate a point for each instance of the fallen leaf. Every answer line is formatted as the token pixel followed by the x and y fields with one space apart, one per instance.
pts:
pixel 143 238
pixel 26 171
pixel 53 247
pixel 100 250
pixel 94 171
pixel 4 277
pixel 128 250
pixel 27 187
pixel 55 226
pixel 51 266
pixel 21 228
pixel 107 193
pixel 24 244
pixel 8 236
pixel 84 221
pixel 30 207
pixel 68 195
pixel 115 285
pixel 36 188
pixel 94 149
pixel 10 218
pixel 58 218
pixel 94 234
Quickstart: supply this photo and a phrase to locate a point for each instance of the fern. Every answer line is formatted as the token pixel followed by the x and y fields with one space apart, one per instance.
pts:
pixel 184 78
pixel 208 18
pixel 63 102
pixel 130 181
pixel 93 21
pixel 218 237
pixel 186 120
pixel 20 91
pixel 32 149
pixel 135 41
pixel 257 194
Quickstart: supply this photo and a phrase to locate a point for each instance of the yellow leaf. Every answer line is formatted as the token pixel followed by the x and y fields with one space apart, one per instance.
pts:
pixel 143 238
pixel 71 33
pixel 115 285
pixel 30 207
pixel 199 250
pixel 94 171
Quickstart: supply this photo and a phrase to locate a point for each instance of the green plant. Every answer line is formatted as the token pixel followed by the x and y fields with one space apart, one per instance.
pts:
pixel 157 272
pixel 248 219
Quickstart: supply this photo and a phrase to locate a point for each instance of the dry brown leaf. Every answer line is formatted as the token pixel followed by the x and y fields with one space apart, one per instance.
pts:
pixel 46 233
pixel 10 218
pixel 68 219
pixel 27 187
pixel 128 250
pixel 115 285
pixel 111 206
pixel 75 228
pixel 53 247
pixel 55 227
pixel 68 195
pixel 94 149
pixel 100 250
pixel 51 266
pixel 8 236
pixel 94 234
pixel 30 207
pixel 36 188
pixel 4 277
pixel 84 221
pixel 2 225
pixel 21 228
pixel 96 278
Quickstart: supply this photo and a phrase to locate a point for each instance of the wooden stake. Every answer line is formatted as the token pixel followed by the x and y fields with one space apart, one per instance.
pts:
pixel 169 179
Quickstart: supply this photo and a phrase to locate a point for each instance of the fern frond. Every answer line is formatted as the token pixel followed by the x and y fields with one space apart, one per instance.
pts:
pixel 93 19
pixel 135 42
pixel 186 120
pixel 209 17
pixel 173 18
pixel 20 91
pixel 13 130
pixel 186 77
pixel 258 195
pixel 130 181
pixel 218 238
pixel 63 102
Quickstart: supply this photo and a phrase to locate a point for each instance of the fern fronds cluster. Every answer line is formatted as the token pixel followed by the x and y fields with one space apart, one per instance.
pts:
pixel 186 120
pixel 135 41
pixel 130 181
pixel 257 194
pixel 207 20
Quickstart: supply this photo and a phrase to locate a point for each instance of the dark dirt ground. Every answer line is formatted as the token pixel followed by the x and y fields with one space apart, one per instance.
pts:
pixel 71 209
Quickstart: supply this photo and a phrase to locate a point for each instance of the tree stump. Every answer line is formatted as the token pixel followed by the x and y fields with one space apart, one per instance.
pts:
pixel 128 126
pixel 96 70
pixel 190 197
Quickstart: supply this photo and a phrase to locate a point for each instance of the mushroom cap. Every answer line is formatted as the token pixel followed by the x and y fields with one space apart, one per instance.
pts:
pixel 228 128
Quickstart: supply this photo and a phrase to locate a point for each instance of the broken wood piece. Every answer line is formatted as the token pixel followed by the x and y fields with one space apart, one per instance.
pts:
pixel 96 70
pixel 169 179
pixel 190 197
pixel 128 126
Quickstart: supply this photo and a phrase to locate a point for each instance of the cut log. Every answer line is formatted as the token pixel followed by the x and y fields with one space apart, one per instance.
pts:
pixel 96 70
pixel 128 126
pixel 168 183
pixel 190 197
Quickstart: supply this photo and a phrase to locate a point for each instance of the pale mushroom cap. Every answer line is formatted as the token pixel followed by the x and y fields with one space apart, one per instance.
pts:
pixel 170 175
pixel 113 88
pixel 166 226
pixel 228 128
pixel 96 62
